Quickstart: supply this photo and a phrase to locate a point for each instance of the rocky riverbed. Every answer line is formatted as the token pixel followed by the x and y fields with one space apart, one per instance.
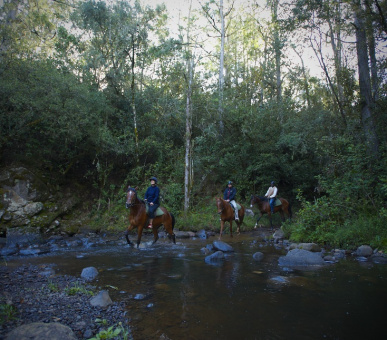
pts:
pixel 32 294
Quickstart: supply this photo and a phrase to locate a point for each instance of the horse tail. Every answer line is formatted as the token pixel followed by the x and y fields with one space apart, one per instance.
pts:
pixel 173 221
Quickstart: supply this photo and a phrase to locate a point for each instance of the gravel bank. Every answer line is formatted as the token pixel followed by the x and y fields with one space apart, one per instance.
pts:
pixel 36 294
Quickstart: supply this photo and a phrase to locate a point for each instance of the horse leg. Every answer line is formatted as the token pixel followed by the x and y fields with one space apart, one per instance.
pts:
pixel 169 228
pixel 127 235
pixel 271 221
pixel 256 223
pixel 282 216
pixel 139 236
pixel 289 213
pixel 221 228
pixel 155 234
pixel 238 227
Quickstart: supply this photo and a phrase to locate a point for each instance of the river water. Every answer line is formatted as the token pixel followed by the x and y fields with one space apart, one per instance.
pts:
pixel 172 293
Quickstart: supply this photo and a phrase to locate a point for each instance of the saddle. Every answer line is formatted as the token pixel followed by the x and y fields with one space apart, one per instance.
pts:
pixel 158 211
pixel 238 206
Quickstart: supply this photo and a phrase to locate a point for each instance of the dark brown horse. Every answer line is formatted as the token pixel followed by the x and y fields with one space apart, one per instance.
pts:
pixel 138 218
pixel 264 208
pixel 226 213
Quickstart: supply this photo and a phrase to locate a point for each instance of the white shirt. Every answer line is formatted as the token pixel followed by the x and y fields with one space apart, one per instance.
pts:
pixel 272 192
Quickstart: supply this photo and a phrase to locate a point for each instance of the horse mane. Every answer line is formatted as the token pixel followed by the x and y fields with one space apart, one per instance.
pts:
pixel 262 198
pixel 135 191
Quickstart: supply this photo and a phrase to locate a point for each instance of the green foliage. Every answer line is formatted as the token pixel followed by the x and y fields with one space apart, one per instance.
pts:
pixel 113 332
pixel 76 288
pixel 8 313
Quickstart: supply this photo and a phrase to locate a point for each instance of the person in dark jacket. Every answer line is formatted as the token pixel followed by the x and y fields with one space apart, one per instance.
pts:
pixel 229 196
pixel 151 197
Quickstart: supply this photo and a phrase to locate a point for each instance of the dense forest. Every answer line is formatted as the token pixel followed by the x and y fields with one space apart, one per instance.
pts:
pixel 109 93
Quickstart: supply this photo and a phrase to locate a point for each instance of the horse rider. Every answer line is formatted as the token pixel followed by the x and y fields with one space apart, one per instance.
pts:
pixel 151 197
pixel 272 195
pixel 229 196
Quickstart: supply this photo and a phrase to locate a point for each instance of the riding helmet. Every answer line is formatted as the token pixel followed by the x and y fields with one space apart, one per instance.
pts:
pixel 272 183
pixel 153 179
pixel 230 182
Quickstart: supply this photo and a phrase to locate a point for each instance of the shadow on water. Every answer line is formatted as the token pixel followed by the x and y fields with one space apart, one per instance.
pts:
pixel 171 291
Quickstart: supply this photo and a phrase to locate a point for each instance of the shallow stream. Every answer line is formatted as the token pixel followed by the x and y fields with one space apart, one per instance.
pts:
pixel 172 293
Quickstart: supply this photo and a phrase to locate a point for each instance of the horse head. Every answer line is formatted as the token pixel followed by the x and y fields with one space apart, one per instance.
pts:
pixel 219 205
pixel 253 200
pixel 131 197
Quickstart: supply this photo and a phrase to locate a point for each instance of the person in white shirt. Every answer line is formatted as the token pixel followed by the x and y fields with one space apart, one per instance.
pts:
pixel 272 195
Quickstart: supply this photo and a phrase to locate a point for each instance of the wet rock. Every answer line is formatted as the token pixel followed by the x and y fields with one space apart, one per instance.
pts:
pixel 41 330
pixel 330 258
pixel 205 251
pixel 222 246
pixel 217 256
pixel 379 259
pixel 182 234
pixel 306 246
pixel 139 297
pixel 22 236
pixel 258 256
pixel 89 273
pixel 102 299
pixel 202 234
pixel 339 253
pixel 279 279
pixel 9 250
pixel 364 251
pixel 210 247
pixel 301 257
pixel 278 235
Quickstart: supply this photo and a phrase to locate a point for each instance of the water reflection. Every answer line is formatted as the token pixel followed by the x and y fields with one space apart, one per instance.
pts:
pixel 240 298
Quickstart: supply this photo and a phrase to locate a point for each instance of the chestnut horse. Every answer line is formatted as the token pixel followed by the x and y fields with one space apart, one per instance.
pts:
pixel 264 208
pixel 226 213
pixel 138 218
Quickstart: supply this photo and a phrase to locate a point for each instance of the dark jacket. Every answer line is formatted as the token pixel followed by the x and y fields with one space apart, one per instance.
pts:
pixel 229 194
pixel 152 194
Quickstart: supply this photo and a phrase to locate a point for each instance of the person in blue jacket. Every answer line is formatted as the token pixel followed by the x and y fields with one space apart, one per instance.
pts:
pixel 229 196
pixel 151 197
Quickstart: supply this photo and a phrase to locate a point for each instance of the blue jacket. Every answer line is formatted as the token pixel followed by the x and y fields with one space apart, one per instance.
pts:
pixel 229 194
pixel 152 195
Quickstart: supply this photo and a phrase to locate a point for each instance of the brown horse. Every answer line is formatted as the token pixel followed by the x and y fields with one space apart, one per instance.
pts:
pixel 226 213
pixel 264 208
pixel 138 218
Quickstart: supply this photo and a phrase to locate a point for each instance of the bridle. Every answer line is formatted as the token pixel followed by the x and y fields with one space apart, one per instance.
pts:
pixel 219 212
pixel 130 204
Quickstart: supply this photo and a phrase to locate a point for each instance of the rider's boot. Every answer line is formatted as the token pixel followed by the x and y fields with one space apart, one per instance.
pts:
pixel 150 223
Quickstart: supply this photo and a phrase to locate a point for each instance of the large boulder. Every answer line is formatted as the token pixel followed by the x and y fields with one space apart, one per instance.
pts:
pixel 222 246
pixel 215 257
pixel 26 200
pixel 102 299
pixel 41 330
pixel 301 257
pixel 364 251
pixel 89 273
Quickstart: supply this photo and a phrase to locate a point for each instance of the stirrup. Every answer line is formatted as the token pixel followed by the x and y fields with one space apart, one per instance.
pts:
pixel 150 226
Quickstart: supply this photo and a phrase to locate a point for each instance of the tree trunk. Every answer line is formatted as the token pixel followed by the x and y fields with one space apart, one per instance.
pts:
pixel 188 174
pixel 277 49
pixel 221 68
pixel 366 101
